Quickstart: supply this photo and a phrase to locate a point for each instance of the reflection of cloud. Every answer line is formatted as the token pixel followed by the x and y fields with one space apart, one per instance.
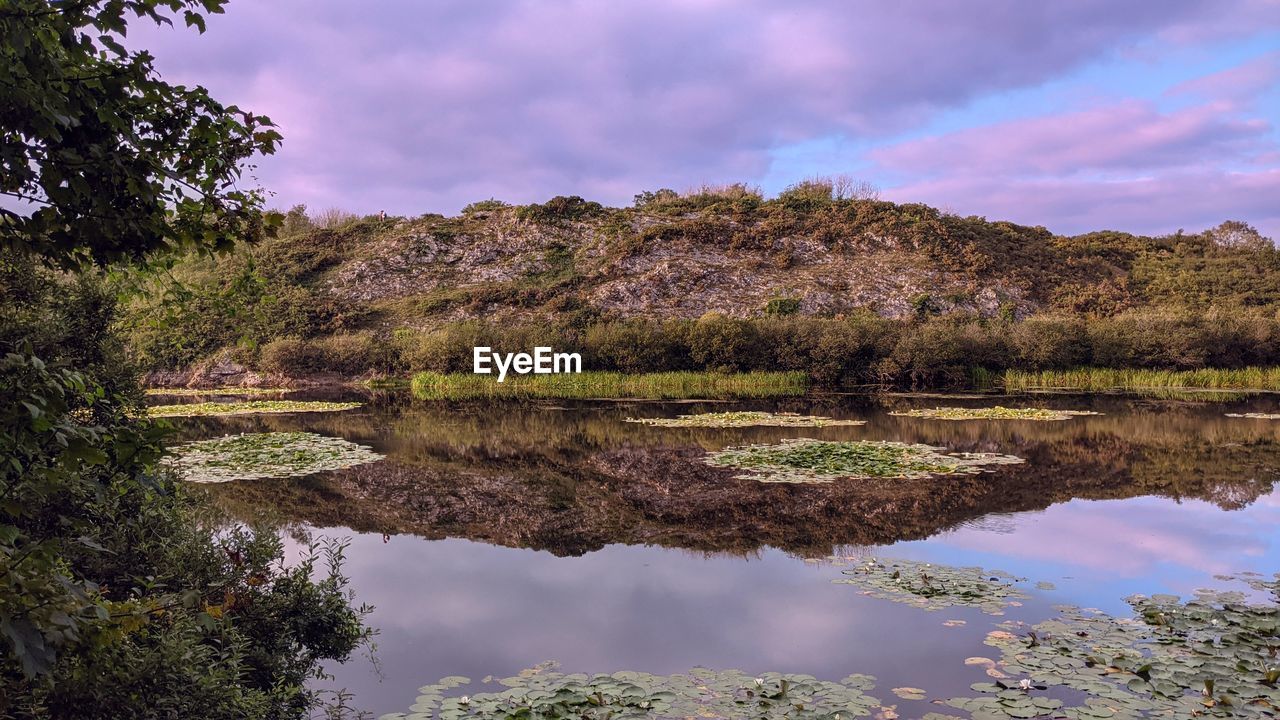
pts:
pixel 453 606
pixel 1130 537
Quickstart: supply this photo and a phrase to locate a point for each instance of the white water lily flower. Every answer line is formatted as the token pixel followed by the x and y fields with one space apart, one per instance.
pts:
pixel 464 700
pixel 759 682
pixel 1025 684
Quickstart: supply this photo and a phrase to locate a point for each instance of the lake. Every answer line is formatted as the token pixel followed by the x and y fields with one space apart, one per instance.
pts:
pixel 497 536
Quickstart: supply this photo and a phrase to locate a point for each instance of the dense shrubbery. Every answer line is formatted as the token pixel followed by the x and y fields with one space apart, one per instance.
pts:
pixel 117 598
pixel 860 349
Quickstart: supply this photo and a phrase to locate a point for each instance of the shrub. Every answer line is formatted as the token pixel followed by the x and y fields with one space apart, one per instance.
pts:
pixel 635 346
pixel 782 306
pixel 1049 343
pixel 725 344
pixel 560 209
pixel 489 205
pixel 1147 339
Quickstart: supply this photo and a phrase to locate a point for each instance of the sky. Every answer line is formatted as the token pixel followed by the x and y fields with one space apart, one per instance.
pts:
pixel 1090 114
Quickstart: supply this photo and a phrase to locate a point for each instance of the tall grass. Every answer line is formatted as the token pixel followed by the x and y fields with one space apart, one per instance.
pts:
pixel 1250 378
pixel 666 385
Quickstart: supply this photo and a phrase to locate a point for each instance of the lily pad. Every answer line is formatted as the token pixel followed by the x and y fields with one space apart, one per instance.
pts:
pixel 701 693
pixel 748 418
pixel 819 461
pixel 993 413
pixel 248 407
pixel 935 587
pixel 265 455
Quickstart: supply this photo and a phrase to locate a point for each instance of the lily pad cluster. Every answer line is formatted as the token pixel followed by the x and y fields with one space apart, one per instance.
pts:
pixel 819 461
pixel 265 455
pixel 208 392
pixel 936 587
pixel 248 407
pixel 700 693
pixel 745 418
pixel 1213 656
pixel 1255 416
pixel 993 413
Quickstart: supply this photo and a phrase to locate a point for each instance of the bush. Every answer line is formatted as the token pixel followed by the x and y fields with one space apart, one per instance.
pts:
pixel 637 346
pixel 725 344
pixel 1146 339
pixel 1049 343
pixel 782 306
pixel 560 209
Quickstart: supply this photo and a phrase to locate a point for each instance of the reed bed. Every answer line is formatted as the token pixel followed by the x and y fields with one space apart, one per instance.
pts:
pixel 598 385
pixel 1250 378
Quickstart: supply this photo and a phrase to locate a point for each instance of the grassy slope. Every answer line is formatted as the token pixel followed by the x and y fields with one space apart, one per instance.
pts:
pixel 372 282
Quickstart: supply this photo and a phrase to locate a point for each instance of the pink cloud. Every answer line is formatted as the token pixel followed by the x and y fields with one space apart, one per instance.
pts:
pixel 1128 135
pixel 1190 199
pixel 1240 84
pixel 413 106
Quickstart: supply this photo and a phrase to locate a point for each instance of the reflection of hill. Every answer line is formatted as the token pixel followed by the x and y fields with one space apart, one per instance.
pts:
pixel 571 481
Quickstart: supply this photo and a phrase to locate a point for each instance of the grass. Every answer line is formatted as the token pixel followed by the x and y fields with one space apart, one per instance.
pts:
pixel 1251 378
pixel 818 461
pixel 596 385
pixel 992 413
pixel 250 407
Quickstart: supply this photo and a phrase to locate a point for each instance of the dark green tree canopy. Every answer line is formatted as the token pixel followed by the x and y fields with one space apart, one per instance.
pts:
pixel 100 159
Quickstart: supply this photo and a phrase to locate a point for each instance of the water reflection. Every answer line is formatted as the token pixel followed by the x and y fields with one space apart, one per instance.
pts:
pixel 495 537
pixel 572 479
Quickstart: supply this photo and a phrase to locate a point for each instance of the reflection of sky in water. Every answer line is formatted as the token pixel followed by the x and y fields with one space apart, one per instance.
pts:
pixel 1099 551
pixel 456 606
pixel 460 607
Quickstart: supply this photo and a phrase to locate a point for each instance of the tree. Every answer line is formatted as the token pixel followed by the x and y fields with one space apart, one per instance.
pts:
pixel 101 159
pixel 116 599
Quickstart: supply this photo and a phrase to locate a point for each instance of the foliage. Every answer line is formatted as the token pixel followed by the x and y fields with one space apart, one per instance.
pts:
pixel 265 455
pixel 1250 378
pixel 993 413
pixel 703 693
pixel 782 306
pixel 669 385
pixel 111 161
pixel 936 587
pixel 248 407
pixel 115 601
pixel 118 598
pixel 560 209
pixel 1212 656
pixel 818 461
pixel 745 418
pixel 216 392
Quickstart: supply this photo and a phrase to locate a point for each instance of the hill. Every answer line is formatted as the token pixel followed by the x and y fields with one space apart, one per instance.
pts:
pixel 355 295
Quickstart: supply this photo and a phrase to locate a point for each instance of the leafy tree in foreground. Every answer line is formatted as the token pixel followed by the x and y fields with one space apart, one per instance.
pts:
pixel 105 160
pixel 117 597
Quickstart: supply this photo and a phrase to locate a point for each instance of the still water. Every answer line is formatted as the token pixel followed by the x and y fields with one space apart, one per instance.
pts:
pixel 494 537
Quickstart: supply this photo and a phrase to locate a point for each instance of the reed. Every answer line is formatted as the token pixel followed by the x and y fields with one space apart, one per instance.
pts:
pixel 588 385
pixel 1250 378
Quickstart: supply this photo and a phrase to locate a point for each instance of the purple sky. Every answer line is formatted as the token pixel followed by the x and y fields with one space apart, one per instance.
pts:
pixel 1141 116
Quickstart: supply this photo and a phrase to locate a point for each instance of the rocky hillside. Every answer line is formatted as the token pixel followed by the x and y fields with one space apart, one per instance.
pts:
pixel 735 255
pixel 727 252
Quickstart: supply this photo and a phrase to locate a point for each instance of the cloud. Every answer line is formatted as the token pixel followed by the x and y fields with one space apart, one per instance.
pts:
pixel 1130 135
pixel 411 106
pixel 1240 84
pixel 1190 199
